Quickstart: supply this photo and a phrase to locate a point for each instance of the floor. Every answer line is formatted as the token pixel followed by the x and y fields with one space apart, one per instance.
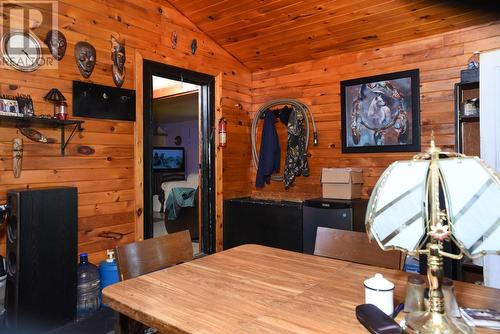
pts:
pixel 159 229
pixel 101 322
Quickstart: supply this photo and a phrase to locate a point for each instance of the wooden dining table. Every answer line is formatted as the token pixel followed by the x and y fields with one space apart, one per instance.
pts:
pixel 257 289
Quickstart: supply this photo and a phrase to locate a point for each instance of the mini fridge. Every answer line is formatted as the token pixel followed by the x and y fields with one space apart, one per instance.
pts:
pixel 332 213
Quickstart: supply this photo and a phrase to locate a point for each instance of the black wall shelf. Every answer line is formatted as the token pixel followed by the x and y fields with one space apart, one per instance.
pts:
pixel 22 122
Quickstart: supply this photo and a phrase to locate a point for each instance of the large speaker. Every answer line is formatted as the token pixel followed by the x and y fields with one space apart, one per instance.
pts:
pixel 41 257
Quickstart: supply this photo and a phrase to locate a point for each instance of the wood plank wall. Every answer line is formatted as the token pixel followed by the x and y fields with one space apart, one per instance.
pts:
pixel 105 180
pixel 317 83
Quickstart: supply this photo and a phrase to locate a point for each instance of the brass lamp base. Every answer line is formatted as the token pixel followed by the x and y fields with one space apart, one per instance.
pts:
pixel 435 323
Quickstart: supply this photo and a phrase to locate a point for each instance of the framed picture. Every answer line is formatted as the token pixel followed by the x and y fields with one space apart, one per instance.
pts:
pixel 26 105
pixel 9 107
pixel 381 113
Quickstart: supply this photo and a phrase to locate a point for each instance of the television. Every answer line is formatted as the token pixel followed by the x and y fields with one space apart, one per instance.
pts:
pixel 168 159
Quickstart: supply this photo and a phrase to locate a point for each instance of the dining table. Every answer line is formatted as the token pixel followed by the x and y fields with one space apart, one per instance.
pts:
pixel 259 289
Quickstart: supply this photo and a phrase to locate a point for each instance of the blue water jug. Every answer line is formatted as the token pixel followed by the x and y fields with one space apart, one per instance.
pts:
pixel 88 298
pixel 108 270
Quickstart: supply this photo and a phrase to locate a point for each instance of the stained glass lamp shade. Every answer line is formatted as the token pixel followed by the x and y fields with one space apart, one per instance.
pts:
pixel 405 213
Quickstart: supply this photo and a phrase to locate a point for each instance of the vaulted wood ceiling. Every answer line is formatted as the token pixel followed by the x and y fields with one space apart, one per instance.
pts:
pixel 267 33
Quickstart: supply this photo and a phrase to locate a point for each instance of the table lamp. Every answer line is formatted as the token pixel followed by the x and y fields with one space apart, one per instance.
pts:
pixel 405 213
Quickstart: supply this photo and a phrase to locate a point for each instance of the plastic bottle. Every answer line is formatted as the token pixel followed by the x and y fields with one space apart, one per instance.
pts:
pixel 88 299
pixel 108 270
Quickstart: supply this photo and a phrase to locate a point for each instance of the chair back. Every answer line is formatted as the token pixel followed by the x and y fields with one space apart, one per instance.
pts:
pixel 354 247
pixel 150 255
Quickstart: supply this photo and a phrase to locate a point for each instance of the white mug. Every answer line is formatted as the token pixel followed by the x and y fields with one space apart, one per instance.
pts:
pixel 380 292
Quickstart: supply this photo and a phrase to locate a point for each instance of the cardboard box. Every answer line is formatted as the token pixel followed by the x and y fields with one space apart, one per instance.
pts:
pixel 342 183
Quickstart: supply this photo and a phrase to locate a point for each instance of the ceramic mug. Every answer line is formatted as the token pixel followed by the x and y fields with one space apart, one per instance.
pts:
pixel 380 292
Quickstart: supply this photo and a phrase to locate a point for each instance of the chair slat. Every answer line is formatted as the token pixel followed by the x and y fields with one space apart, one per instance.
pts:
pixel 354 247
pixel 150 255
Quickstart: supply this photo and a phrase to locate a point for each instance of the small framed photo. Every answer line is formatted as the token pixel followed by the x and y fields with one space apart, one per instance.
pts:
pixel 9 107
pixel 381 113
pixel 25 104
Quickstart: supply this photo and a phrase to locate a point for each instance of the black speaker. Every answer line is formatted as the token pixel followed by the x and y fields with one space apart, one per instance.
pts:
pixel 41 257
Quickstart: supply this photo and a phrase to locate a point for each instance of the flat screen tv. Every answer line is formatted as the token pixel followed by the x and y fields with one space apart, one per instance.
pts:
pixel 168 159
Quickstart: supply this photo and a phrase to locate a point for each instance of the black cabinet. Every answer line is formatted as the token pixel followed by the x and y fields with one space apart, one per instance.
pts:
pixel 264 222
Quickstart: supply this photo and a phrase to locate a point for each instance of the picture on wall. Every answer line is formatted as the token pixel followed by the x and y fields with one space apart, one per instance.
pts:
pixel 381 113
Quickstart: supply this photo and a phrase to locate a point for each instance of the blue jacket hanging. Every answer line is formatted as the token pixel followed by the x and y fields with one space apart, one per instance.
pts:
pixel 270 152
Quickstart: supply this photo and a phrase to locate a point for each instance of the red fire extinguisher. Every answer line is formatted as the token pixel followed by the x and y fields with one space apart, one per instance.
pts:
pixel 222 132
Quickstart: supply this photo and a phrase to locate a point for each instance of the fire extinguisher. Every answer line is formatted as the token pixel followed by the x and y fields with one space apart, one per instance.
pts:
pixel 222 132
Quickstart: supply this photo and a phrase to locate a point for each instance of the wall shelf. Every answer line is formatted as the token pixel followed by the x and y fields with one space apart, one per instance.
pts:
pixel 20 122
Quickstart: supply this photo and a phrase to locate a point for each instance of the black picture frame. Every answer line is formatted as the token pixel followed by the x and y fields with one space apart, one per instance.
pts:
pixel 381 113
pixel 25 103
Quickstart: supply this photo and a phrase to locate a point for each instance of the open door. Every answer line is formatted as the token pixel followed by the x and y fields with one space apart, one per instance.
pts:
pixel 206 164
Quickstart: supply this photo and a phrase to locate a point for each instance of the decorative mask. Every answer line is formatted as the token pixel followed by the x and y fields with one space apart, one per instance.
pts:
pixel 17 156
pixel 56 41
pixel 118 58
pixel 194 46
pixel 85 56
pixel 173 39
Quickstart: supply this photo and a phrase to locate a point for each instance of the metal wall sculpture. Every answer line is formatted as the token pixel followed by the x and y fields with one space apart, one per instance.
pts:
pixel 85 56
pixel 56 41
pixel 381 113
pixel 118 58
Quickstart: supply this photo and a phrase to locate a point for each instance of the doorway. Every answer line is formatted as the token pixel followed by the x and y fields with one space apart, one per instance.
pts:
pixel 166 159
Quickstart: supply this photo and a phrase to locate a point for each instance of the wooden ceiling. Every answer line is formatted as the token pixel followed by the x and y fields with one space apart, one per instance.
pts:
pixel 263 34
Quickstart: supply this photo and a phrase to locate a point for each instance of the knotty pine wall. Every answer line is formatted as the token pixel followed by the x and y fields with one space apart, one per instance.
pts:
pixel 317 83
pixel 105 180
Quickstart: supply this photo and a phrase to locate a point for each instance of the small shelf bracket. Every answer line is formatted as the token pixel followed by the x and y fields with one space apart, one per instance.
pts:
pixel 22 121
pixel 65 142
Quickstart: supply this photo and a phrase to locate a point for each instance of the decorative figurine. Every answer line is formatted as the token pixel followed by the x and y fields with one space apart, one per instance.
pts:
pixel 473 62
pixel 173 39
pixel 56 41
pixel 85 56
pixel 118 58
pixel 17 156
pixel 194 46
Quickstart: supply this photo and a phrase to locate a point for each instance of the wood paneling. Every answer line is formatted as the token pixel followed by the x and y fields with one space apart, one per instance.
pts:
pixel 109 182
pixel 267 34
pixel 317 83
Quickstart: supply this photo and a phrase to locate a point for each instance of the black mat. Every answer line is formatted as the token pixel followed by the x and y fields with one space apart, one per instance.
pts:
pixel 101 322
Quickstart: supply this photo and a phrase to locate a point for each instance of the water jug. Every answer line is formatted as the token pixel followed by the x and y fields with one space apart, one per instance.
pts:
pixel 88 299
pixel 108 270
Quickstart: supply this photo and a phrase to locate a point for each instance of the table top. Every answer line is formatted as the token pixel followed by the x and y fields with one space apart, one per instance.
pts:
pixel 257 289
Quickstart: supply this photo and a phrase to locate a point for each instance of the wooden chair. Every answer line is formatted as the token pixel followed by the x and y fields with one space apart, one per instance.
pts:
pixel 354 247
pixel 150 255
pixel 142 257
